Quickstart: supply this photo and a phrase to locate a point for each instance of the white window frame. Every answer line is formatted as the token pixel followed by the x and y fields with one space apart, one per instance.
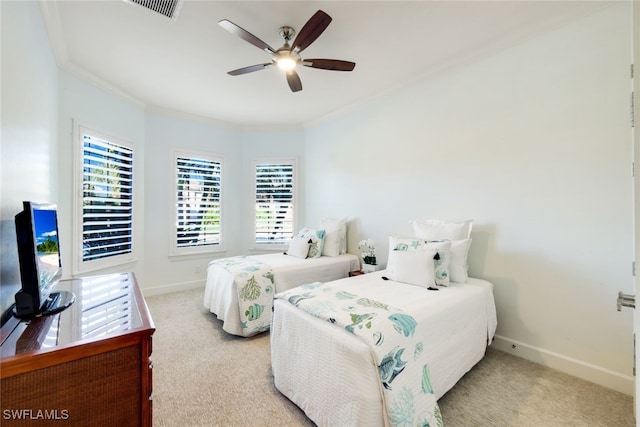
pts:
pixel 176 250
pixel 282 244
pixel 79 265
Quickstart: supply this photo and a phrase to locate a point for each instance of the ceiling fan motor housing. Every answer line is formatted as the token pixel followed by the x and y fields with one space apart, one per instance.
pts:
pixel 286 33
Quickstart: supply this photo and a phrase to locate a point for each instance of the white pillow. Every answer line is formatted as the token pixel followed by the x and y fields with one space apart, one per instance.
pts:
pixel 442 247
pixel 339 226
pixel 458 265
pixel 436 229
pixel 412 267
pixel 317 240
pixel 331 246
pixel 299 247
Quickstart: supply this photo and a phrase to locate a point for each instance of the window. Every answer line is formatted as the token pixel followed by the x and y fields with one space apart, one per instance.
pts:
pixel 105 208
pixel 197 203
pixel 274 202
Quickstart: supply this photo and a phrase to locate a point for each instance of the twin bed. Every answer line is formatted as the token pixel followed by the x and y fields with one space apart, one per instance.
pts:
pixel 334 376
pixel 377 349
pixel 222 290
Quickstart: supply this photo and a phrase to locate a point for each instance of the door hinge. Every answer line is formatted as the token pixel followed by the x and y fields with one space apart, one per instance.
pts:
pixel 633 269
pixel 625 300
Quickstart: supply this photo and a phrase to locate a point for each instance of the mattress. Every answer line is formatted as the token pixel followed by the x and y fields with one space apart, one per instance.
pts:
pixel 331 374
pixel 221 297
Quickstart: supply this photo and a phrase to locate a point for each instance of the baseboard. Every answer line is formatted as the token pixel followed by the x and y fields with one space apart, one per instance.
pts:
pixel 595 374
pixel 173 287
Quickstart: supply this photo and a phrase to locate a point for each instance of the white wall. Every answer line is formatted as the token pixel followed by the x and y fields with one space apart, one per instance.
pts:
pixel 269 145
pixel 239 148
pixel 84 104
pixel 163 135
pixel 532 143
pixel 29 150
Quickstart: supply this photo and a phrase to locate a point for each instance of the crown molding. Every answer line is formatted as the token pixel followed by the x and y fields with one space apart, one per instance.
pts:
pixel 53 26
pixel 99 83
pixel 182 115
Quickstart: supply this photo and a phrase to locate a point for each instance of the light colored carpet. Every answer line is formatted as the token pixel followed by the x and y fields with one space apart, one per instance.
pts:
pixel 203 376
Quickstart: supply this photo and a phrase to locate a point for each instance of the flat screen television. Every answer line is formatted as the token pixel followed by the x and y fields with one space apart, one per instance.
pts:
pixel 40 266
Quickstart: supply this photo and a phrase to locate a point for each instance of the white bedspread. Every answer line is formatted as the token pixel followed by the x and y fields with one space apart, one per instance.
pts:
pixel 332 375
pixel 221 298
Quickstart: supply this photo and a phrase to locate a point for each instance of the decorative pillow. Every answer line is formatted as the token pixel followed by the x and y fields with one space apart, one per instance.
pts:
pixel 299 247
pixel 436 229
pixel 458 266
pixel 317 239
pixel 338 227
pixel 331 245
pixel 441 262
pixel 412 267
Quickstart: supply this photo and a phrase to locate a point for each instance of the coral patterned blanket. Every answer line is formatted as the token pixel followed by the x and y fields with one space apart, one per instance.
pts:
pixel 391 335
pixel 254 284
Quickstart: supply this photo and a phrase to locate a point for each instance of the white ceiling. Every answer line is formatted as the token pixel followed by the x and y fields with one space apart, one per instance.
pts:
pixel 181 65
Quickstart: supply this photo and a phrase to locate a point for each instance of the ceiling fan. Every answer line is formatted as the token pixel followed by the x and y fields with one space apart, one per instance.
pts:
pixel 288 57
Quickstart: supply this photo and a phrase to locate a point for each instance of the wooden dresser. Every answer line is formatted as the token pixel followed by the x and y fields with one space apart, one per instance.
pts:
pixel 88 365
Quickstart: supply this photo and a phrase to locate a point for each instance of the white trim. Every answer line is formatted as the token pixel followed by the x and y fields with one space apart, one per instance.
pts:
pixel 173 249
pixel 53 25
pixel 252 202
pixel 80 267
pixel 173 287
pixel 201 118
pixel 635 143
pixel 88 77
pixel 595 374
pixel 193 117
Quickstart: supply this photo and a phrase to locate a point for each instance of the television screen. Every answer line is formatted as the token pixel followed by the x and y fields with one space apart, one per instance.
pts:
pixel 47 250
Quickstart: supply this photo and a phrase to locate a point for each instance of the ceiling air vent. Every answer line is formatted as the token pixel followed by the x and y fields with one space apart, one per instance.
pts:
pixel 168 8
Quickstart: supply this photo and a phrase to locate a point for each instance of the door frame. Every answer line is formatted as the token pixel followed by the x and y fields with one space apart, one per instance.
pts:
pixel 636 186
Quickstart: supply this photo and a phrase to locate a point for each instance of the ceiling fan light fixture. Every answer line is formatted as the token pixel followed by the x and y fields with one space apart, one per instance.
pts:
pixel 286 63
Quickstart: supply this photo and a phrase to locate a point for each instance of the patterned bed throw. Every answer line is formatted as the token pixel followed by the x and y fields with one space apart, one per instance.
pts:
pixel 253 281
pixel 390 333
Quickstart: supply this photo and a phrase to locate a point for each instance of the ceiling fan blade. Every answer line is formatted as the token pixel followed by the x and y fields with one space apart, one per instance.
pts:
pixel 245 35
pixel 294 81
pixel 329 64
pixel 250 69
pixel 311 30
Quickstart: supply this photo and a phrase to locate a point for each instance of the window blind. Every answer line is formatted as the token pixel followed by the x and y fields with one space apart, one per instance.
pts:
pixel 107 199
pixel 274 202
pixel 198 207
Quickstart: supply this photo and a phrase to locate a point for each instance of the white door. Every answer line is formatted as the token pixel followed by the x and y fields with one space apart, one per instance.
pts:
pixel 636 186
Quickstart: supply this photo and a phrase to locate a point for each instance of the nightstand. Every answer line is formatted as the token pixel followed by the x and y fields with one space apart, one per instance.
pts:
pixel 368 268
